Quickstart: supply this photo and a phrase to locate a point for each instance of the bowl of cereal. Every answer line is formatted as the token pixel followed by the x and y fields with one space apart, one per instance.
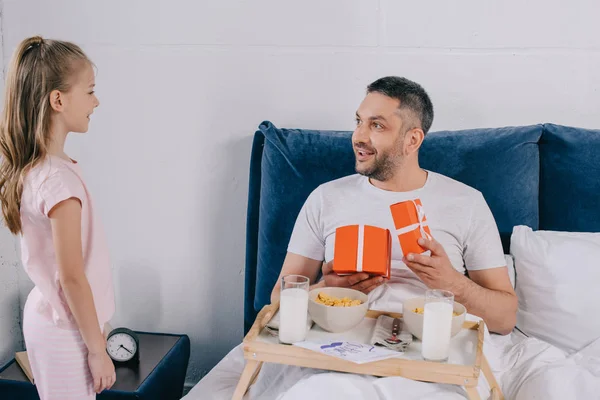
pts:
pixel 337 309
pixel 412 315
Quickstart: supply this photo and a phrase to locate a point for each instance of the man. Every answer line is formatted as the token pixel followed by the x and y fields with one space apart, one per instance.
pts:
pixel 391 123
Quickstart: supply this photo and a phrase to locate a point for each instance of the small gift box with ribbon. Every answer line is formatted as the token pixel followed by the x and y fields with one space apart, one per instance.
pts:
pixel 411 224
pixel 362 248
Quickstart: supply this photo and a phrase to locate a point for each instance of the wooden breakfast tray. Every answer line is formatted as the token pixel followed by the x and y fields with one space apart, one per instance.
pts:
pixel 464 365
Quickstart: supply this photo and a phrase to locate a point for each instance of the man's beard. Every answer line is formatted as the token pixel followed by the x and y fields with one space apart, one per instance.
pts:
pixel 385 164
pixel 382 169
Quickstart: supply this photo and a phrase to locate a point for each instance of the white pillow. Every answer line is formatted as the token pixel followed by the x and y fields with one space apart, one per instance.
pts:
pixel 510 266
pixel 558 276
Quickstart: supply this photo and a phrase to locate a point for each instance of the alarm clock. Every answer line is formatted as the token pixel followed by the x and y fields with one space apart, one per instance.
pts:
pixel 123 346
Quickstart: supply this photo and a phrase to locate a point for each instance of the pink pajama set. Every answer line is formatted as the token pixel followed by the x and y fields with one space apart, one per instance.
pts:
pixel 56 350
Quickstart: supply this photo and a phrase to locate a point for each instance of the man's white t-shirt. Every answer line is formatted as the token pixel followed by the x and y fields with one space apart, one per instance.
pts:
pixel 458 217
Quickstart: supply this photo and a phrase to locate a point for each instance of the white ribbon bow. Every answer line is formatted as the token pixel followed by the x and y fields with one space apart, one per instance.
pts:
pixel 421 224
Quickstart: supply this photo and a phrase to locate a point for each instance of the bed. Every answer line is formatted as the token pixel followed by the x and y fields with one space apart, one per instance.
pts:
pixel 542 183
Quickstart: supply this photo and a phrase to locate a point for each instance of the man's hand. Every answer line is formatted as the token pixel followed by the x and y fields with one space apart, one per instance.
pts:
pixel 436 271
pixel 359 281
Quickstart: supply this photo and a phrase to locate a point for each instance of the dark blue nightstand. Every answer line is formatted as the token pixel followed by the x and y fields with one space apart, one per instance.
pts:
pixel 160 374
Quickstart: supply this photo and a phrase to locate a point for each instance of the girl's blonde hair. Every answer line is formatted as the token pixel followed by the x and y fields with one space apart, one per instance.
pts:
pixel 38 67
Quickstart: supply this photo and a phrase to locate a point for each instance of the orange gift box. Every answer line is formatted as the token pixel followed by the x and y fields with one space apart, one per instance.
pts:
pixel 411 224
pixel 362 248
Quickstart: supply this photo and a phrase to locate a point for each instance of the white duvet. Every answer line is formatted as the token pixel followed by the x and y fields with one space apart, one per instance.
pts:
pixel 526 369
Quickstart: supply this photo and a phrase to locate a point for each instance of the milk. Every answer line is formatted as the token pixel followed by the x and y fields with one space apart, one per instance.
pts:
pixel 293 311
pixel 437 325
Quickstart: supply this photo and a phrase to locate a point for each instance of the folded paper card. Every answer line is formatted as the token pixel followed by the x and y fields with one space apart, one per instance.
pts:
pixel 411 224
pixel 362 248
pixel 358 353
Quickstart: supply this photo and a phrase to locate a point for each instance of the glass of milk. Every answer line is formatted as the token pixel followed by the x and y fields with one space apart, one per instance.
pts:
pixel 293 308
pixel 437 324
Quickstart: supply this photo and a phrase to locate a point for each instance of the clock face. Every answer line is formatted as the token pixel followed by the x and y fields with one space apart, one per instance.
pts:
pixel 121 347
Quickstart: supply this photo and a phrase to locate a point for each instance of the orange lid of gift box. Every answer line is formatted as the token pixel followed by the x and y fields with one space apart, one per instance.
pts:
pixel 376 250
pixel 405 214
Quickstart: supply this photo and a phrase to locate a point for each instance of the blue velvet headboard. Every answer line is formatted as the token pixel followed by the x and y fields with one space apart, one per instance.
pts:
pixel 544 176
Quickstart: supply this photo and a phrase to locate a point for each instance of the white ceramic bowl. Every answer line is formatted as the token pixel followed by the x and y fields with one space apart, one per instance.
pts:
pixel 414 321
pixel 337 319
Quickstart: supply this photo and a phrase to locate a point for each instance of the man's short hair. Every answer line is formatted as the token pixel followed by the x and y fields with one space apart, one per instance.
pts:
pixel 411 95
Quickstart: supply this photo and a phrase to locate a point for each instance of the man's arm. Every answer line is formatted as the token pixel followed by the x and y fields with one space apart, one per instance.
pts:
pixel 300 265
pixel 297 265
pixel 488 293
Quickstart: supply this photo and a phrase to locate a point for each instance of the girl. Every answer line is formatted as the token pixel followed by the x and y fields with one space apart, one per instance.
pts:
pixel 49 93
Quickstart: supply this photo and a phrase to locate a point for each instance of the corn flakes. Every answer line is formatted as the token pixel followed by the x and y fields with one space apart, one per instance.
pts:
pixel 333 301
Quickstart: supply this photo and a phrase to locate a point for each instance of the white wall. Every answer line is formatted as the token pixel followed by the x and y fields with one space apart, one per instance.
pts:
pixel 10 328
pixel 184 84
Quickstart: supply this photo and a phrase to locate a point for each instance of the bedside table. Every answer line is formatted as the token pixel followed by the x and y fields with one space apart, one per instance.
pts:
pixel 160 374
